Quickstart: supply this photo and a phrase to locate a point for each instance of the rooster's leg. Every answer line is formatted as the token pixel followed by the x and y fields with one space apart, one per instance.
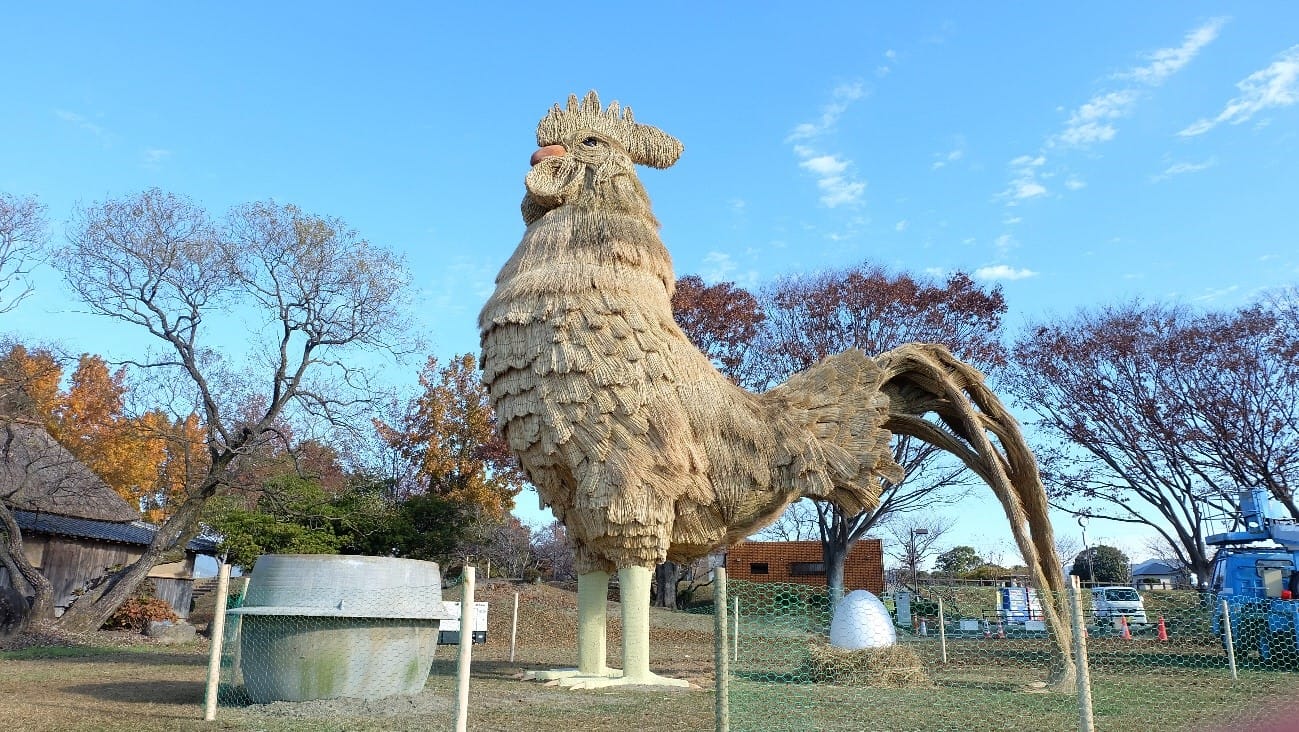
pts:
pixel 592 601
pixel 634 588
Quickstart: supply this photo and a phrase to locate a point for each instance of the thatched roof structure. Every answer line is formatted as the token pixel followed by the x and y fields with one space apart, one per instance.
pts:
pixel 38 474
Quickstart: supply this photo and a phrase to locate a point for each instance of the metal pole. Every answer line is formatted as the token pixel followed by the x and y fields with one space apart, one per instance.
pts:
pixel 735 637
pixel 218 639
pixel 1086 717
pixel 942 629
pixel 1226 635
pixel 466 650
pixel 721 659
pixel 514 626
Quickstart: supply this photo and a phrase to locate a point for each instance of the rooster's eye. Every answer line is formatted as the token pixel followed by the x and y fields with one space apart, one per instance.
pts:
pixel 590 142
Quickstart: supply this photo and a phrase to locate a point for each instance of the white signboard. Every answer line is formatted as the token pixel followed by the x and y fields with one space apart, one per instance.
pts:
pixel 449 630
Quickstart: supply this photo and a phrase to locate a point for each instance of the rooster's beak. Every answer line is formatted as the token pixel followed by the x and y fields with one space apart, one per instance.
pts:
pixel 547 152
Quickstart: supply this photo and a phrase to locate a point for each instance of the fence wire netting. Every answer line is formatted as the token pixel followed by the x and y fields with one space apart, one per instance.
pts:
pixel 977 658
pixel 318 646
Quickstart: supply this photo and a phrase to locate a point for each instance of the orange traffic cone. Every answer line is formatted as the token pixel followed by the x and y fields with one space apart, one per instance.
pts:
pixel 1163 631
pixel 1001 630
pixel 1126 632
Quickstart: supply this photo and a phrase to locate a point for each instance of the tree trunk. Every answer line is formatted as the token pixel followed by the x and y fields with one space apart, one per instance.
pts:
pixel 15 560
pixel 93 609
pixel 834 554
pixel 666 577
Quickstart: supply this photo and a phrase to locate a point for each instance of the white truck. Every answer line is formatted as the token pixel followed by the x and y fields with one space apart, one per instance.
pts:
pixel 1112 603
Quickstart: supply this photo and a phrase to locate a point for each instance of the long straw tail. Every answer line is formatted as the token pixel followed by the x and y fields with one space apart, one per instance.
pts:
pixel 925 378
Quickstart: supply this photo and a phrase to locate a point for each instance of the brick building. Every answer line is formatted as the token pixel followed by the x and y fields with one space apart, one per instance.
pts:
pixel 801 562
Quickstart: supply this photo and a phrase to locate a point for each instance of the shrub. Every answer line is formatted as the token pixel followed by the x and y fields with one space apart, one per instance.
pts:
pixel 137 612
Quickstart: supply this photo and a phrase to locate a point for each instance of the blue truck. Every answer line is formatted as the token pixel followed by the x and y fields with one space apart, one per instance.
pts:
pixel 1259 583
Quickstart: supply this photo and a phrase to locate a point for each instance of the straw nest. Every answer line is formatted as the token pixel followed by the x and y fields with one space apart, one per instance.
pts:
pixel 890 667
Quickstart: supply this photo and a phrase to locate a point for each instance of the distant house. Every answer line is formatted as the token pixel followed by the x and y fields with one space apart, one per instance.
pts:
pixel 1156 574
pixel 802 562
pixel 75 528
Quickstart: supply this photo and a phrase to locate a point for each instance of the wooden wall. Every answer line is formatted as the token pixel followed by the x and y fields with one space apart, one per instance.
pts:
pixel 69 563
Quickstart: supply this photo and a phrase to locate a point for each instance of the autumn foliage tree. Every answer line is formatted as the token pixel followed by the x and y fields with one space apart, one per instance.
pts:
pixel 447 440
pixel 810 317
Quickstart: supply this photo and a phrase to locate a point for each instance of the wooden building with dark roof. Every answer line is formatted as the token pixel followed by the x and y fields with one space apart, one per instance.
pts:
pixel 75 529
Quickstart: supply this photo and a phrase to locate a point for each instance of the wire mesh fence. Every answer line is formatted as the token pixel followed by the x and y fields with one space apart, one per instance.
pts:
pixel 309 651
pixel 979 658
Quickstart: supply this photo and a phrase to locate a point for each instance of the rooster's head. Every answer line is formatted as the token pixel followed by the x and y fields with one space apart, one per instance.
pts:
pixel 587 158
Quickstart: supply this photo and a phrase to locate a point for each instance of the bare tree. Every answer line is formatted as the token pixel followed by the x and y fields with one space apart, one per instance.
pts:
pixel 811 317
pixel 554 552
pixel 22 240
pixel 915 538
pixel 1110 389
pixel 799 522
pixel 305 293
pixel 1236 386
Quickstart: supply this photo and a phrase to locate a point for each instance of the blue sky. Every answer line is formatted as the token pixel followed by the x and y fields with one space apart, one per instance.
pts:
pixel 1075 154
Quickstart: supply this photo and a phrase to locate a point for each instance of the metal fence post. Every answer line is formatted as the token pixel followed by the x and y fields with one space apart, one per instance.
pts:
pixel 721 655
pixel 1226 636
pixel 1086 717
pixel 217 637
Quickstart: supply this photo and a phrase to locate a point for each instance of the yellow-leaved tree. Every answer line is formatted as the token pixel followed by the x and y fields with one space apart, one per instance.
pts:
pixel 447 437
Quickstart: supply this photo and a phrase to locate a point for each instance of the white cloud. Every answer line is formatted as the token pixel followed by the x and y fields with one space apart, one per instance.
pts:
pixel 717 266
pixel 1095 121
pixel 949 157
pixel 837 191
pixel 1168 61
pixel 1091 122
pixel 840 99
pixel 1182 169
pixel 1074 183
pixel 1024 181
pixel 936 272
pixel 1277 85
pixel 838 187
pixel 1013 220
pixel 154 156
pixel 824 165
pixel 1004 244
pixel 1003 272
pixel 82 122
pixel 901 225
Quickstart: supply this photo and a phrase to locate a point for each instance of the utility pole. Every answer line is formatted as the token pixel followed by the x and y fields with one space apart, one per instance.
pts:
pixel 915 557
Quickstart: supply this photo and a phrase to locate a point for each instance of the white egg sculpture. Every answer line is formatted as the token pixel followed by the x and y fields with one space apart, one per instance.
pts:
pixel 861 621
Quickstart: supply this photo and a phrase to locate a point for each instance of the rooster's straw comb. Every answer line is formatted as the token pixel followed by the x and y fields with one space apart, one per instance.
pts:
pixel 646 145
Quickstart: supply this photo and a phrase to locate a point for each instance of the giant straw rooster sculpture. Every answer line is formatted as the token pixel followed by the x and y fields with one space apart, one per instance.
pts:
pixel 644 450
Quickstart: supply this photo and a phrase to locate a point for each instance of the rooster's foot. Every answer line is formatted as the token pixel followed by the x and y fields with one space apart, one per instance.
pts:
pixel 571 676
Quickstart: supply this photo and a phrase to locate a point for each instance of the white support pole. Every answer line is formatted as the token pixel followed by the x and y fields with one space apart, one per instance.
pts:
pixel 721 659
pixel 466 650
pixel 1226 636
pixel 942 629
pixel 1086 716
pixel 218 635
pixel 514 627
pixel 735 637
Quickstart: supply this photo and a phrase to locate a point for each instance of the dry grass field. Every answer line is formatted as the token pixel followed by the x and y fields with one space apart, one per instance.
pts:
pixel 118 681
